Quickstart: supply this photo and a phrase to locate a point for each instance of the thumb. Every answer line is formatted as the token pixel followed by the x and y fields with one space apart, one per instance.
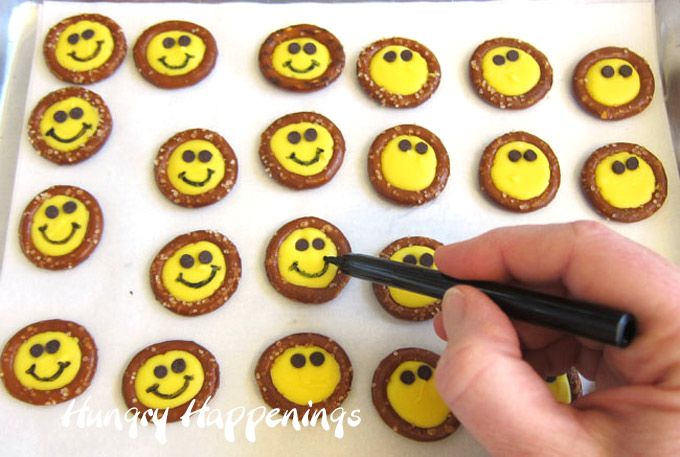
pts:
pixel 497 396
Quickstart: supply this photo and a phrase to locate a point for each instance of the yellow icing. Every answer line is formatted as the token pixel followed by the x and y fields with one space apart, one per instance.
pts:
pixel 89 52
pixel 417 403
pixel 511 77
pixel 408 170
pixel 305 157
pixel 177 60
pixel 195 177
pixel 63 234
pixel 405 297
pixel 174 276
pixel 522 180
pixel 301 64
pixel 182 385
pixel 72 133
pixel 399 77
pixel 614 91
pixel 48 366
pixel 560 389
pixel 632 188
pixel 296 266
pixel 309 382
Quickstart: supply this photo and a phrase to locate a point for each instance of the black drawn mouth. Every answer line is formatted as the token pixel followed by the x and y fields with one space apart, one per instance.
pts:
pixel 318 274
pixel 183 177
pixel 312 66
pixel 199 284
pixel 313 160
pixel 187 57
pixel 60 370
pixel 154 389
pixel 96 52
pixel 54 135
pixel 74 228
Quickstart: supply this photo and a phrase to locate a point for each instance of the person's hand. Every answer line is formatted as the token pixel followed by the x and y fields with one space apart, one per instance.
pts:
pixel 491 373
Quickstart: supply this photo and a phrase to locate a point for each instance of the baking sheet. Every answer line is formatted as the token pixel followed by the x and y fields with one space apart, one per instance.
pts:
pixel 110 294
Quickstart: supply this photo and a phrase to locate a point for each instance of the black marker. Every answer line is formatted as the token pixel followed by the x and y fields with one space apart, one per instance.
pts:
pixel 579 318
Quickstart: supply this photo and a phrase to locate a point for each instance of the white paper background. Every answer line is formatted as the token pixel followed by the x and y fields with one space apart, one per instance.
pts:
pixel 110 293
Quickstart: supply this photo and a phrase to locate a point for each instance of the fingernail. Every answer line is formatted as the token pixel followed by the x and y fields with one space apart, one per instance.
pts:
pixel 453 301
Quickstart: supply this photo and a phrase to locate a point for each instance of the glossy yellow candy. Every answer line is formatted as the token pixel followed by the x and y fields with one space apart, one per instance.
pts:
pixel 303 148
pixel 561 389
pixel 169 380
pixel 175 52
pixel 59 225
pixel 399 70
pixel 405 297
pixel 68 124
pixel 47 361
pixel 301 58
pixel 526 177
pixel 612 82
pixel 84 46
pixel 305 373
pixel 195 271
pixel 301 258
pixel 409 163
pixel 510 71
pixel 412 394
pixel 196 167
pixel 631 188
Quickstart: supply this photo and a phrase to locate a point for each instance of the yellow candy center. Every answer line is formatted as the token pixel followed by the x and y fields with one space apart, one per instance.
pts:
pixel 301 58
pixel 195 271
pixel 613 82
pixel 195 167
pixel 409 163
pixel 59 225
pixel 399 70
pixel 301 258
pixel 305 373
pixel 175 53
pixel 422 256
pixel 169 380
pixel 561 389
pixel 68 124
pixel 47 361
pixel 84 46
pixel 303 148
pixel 625 180
pixel 510 71
pixel 520 170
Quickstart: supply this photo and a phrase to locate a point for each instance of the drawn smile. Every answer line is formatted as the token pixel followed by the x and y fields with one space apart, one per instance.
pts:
pixel 43 231
pixel 60 370
pixel 154 389
pixel 313 160
pixel 54 135
pixel 318 274
pixel 199 284
pixel 176 67
pixel 96 52
pixel 183 177
pixel 312 66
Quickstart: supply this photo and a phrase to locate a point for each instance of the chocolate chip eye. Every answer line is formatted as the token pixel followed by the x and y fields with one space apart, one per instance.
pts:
pixel 421 148
pixel 410 258
pixel 407 377
pixel 530 155
pixel 607 71
pixel 73 38
pixel 427 260
pixel 188 156
pixel 168 42
pixel 424 372
pixel 204 156
pixel 310 135
pixel 36 350
pixel 498 59
pixel 294 137
pixel 76 113
pixel 60 116
pixel 293 48
pixel 404 145
pixel 186 261
pixel 160 371
pixel 406 55
pixel 317 359
pixel 51 211
pixel 301 245
pixel 550 378
pixel 625 71
pixel 514 155
pixel 298 360
pixel 309 48
pixel 512 55
pixel 618 167
pixel 184 40
pixel 69 207
pixel 205 257
pixel 87 34
pixel 318 244
pixel 390 56
pixel 52 346
pixel 178 365
pixel 632 163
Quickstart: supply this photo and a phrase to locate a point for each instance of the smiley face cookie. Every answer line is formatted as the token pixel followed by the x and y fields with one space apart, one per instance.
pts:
pixel 405 396
pixel 84 49
pixel 613 83
pixel 408 164
pixel 566 387
pixel 301 58
pixel 509 73
pixel 60 227
pixel 519 171
pixel 69 125
pixel 296 265
pixel 195 168
pixel 175 54
pixel 402 304
pixel 624 182
pixel 170 375
pixel 304 372
pixel 49 362
pixel 196 273
pixel 302 150
pixel 398 72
